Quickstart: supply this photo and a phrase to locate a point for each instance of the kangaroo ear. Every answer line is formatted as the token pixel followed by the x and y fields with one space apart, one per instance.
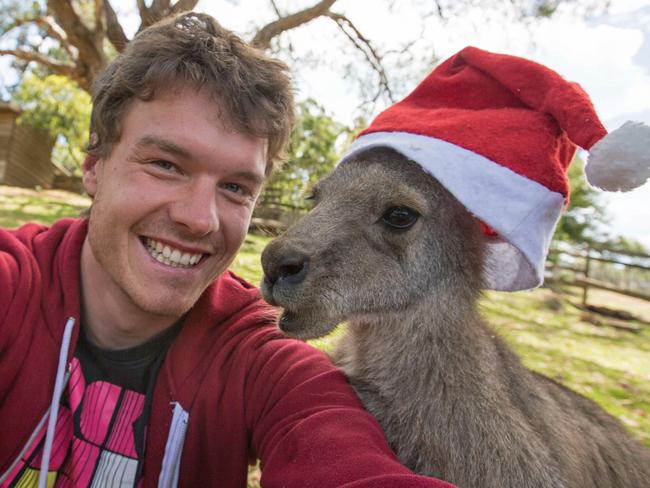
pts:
pixel 90 174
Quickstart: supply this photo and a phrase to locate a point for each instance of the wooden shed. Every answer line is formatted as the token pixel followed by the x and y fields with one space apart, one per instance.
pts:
pixel 25 152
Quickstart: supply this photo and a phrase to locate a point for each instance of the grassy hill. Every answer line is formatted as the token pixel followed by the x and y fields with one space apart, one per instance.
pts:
pixel 546 327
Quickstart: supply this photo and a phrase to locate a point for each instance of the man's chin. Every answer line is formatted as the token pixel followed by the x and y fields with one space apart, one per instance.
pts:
pixel 165 296
pixel 170 308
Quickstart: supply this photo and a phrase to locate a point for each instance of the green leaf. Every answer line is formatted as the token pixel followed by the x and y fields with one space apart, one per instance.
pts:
pixel 58 105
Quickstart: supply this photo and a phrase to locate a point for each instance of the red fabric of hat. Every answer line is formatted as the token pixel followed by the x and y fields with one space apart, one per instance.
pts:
pixel 513 111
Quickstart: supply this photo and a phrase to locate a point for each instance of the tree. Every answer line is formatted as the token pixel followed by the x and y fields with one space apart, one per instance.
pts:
pixel 585 216
pixel 55 103
pixel 76 38
pixel 627 244
pixel 315 146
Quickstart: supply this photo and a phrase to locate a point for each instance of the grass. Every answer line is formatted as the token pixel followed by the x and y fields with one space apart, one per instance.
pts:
pixel 551 334
pixel 20 205
pixel 608 365
pixel 247 262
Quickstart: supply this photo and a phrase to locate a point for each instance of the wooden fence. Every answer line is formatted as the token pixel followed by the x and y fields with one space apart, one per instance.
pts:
pixel 24 152
pixel 601 267
pixel 272 214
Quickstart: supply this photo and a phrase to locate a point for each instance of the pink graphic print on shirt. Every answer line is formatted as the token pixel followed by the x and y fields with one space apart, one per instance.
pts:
pixel 104 452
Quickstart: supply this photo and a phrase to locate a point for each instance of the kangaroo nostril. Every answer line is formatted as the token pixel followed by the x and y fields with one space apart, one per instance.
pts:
pixel 291 268
pixel 288 270
pixel 283 265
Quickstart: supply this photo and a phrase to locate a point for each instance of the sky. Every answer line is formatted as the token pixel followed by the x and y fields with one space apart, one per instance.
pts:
pixel 607 54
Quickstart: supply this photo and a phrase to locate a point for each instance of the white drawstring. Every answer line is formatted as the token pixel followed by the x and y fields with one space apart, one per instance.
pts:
pixel 59 383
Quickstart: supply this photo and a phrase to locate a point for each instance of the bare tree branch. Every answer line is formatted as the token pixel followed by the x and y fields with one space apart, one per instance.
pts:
pixel 276 9
pixel 365 46
pixel 160 5
pixel 91 58
pixel 145 15
pixel 78 34
pixel 183 6
pixel 441 12
pixel 48 24
pixel 57 67
pixel 262 39
pixel 114 29
pixel 406 48
pixel 100 22
pixel 18 22
pixel 160 9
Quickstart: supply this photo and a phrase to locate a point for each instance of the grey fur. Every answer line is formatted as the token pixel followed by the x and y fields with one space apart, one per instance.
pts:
pixel 453 399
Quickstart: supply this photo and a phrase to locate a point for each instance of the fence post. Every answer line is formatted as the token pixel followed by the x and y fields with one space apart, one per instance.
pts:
pixel 586 286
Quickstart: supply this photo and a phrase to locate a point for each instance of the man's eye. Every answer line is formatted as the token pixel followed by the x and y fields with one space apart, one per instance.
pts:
pixel 234 188
pixel 164 165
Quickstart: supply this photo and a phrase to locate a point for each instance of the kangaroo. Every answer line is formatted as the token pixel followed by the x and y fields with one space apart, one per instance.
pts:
pixel 389 250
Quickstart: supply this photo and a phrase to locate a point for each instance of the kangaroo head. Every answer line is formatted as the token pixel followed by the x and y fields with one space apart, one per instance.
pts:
pixel 382 236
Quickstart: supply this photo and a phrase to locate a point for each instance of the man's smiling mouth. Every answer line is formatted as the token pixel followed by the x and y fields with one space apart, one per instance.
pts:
pixel 169 255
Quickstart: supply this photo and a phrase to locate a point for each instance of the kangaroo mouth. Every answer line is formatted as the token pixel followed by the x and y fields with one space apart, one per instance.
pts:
pixel 279 294
pixel 295 325
pixel 288 321
pixel 302 317
pixel 306 324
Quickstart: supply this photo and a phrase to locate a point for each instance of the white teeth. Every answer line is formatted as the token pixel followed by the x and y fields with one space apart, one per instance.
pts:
pixel 170 256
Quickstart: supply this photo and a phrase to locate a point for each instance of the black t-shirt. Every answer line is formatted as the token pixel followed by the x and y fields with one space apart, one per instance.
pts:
pixel 134 369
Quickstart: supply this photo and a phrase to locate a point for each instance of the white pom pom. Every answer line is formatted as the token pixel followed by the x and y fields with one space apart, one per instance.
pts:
pixel 620 161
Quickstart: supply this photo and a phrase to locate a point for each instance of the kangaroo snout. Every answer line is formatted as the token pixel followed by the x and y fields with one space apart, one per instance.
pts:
pixel 283 268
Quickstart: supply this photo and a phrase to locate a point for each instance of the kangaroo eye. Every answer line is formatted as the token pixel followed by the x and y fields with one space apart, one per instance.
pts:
pixel 400 218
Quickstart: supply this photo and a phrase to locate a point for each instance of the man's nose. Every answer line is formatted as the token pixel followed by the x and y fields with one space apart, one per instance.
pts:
pixel 196 209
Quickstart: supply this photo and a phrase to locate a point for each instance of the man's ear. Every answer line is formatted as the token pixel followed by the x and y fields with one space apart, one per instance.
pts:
pixel 90 174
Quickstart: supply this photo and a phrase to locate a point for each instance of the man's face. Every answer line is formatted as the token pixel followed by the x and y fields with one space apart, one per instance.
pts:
pixel 172 204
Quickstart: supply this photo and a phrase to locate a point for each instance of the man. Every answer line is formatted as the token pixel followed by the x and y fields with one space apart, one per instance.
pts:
pixel 129 355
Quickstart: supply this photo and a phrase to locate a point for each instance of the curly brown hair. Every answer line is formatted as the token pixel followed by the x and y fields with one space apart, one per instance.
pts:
pixel 252 90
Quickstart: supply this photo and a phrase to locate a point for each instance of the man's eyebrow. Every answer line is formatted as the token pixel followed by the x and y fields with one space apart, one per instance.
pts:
pixel 250 176
pixel 164 145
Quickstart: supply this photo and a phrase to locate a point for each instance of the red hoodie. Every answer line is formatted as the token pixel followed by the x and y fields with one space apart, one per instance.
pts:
pixel 232 387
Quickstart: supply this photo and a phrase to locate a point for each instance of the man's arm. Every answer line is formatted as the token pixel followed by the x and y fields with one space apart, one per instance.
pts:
pixel 18 270
pixel 310 429
pixel 14 256
pixel 8 281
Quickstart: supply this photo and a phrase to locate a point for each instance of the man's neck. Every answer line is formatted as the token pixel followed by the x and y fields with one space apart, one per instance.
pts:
pixel 110 318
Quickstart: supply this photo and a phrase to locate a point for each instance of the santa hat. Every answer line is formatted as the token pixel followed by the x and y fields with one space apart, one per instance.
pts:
pixel 499 132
